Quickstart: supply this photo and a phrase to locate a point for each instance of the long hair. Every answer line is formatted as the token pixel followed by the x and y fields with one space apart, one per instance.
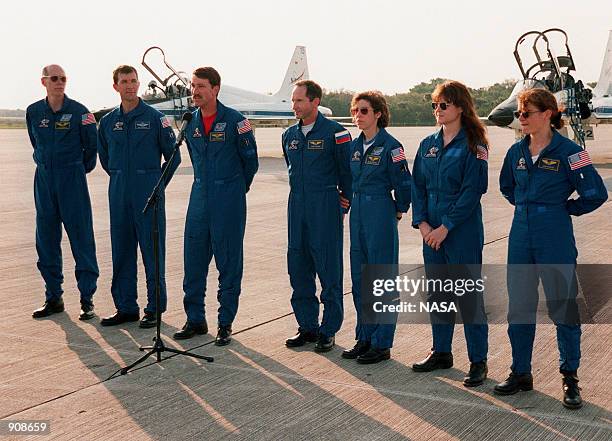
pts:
pixel 378 103
pixel 456 93
pixel 543 100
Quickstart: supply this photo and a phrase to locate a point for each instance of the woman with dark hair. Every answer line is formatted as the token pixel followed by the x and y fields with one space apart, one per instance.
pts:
pixel 538 176
pixel 381 194
pixel 449 178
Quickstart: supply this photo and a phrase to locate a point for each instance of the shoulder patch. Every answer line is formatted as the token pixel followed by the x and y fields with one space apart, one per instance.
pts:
pixel 244 126
pixel 482 153
pixel 398 155
pixel 579 160
pixel 88 118
pixel 342 137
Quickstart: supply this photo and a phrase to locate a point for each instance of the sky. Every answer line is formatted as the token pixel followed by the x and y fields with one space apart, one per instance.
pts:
pixel 353 45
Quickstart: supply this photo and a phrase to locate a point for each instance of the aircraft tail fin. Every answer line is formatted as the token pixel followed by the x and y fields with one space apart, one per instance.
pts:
pixel 297 70
pixel 604 84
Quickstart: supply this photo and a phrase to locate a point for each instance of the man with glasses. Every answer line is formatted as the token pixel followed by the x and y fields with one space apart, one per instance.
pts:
pixel 316 151
pixel 63 134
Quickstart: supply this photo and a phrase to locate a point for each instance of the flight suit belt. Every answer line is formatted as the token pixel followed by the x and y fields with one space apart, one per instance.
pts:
pixel 371 196
pixel 218 181
pixel 118 171
pixel 539 208
pixel 50 165
pixel 318 189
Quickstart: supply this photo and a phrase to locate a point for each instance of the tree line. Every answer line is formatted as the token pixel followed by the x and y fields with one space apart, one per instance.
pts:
pixel 414 107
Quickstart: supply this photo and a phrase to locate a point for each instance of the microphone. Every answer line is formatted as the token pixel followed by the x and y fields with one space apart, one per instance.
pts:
pixel 184 121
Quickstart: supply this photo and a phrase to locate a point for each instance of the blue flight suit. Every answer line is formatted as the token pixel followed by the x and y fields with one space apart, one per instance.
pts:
pixel 64 145
pixel 542 233
pixel 130 146
pixel 448 183
pixel 318 166
pixel 224 164
pixel 381 188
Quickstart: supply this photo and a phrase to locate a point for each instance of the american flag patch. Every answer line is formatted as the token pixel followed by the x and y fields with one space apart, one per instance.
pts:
pixel 244 126
pixel 342 137
pixel 88 118
pixel 165 122
pixel 398 155
pixel 482 153
pixel 579 160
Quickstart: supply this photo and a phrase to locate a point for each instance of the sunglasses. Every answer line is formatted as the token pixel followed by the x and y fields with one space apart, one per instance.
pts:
pixel 55 78
pixel 362 110
pixel 442 106
pixel 525 114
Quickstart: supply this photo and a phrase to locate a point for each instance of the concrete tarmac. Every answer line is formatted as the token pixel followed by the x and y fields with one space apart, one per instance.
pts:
pixel 60 369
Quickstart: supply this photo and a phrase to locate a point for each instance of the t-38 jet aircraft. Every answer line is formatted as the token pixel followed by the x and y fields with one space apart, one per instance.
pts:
pixel 170 92
pixel 582 106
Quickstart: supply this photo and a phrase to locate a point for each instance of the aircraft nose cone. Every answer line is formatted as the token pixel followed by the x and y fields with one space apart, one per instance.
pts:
pixel 501 117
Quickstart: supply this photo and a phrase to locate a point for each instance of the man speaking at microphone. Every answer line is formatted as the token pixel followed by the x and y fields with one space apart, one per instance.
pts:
pixel 131 141
pixel 224 156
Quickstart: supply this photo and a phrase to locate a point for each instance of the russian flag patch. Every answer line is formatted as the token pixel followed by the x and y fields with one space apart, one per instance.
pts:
pixel 342 137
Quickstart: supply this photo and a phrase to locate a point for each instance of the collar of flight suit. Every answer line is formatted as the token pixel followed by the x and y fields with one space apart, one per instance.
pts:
pixel 439 138
pixel 136 111
pixel 64 104
pixel 379 138
pixel 221 110
pixel 317 123
pixel 556 141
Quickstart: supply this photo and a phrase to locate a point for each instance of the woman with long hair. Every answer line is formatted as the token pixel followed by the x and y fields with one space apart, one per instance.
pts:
pixel 449 178
pixel 538 176
pixel 381 194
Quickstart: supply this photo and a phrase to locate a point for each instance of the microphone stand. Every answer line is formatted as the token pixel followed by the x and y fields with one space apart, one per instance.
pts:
pixel 153 201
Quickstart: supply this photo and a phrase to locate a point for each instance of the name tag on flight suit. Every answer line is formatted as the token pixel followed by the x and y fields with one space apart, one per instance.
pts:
pixel 142 125
pixel 549 164
pixel 372 160
pixel 217 136
pixel 315 144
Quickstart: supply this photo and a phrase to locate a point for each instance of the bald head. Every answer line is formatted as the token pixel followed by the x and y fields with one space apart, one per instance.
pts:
pixel 52 69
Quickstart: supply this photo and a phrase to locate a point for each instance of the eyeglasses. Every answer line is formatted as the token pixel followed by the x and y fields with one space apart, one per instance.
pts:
pixel 362 110
pixel 525 114
pixel 442 106
pixel 55 78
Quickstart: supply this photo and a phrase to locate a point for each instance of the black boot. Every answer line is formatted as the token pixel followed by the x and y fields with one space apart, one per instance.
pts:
pixel 300 339
pixel 571 392
pixel 374 355
pixel 514 383
pixel 224 335
pixel 435 360
pixel 50 307
pixel 87 311
pixel 119 318
pixel 360 348
pixel 324 343
pixel 477 375
pixel 190 329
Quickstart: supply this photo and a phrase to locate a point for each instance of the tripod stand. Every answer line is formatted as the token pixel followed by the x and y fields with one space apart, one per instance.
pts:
pixel 158 344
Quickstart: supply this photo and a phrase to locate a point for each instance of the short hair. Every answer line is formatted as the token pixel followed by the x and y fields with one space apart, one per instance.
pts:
pixel 378 102
pixel 124 69
pixel 543 100
pixel 208 73
pixel 313 90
